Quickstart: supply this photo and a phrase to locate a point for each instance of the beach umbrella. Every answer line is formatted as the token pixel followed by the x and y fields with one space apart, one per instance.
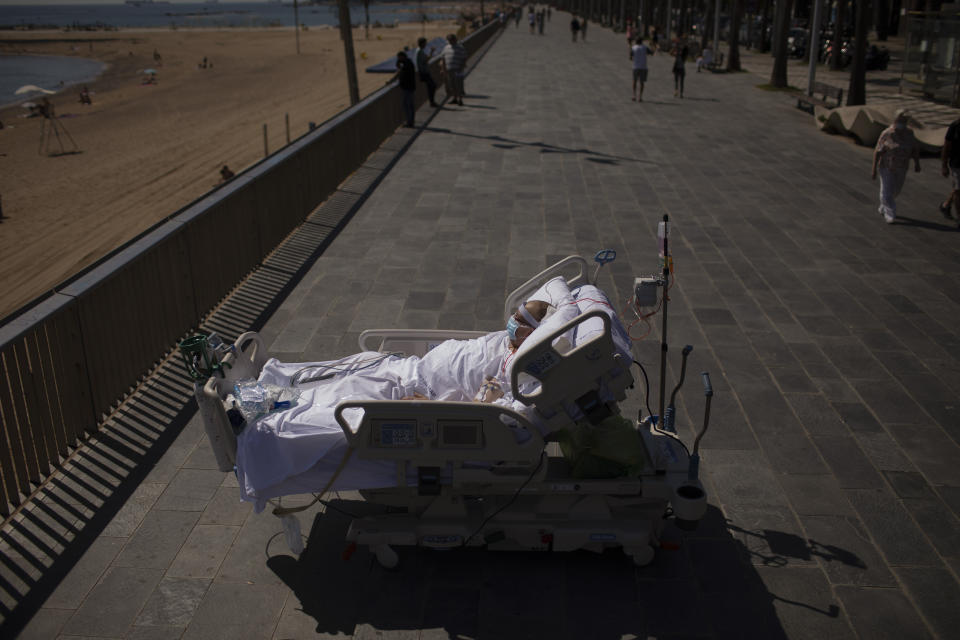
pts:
pixel 149 71
pixel 32 88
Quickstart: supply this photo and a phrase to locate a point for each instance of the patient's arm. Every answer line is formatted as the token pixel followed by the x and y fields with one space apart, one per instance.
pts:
pixel 489 391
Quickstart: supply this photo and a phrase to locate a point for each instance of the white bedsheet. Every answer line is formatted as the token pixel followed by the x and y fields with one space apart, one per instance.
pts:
pixel 287 443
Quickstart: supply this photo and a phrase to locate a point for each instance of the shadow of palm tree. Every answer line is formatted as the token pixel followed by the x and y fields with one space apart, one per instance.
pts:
pixel 925 224
pixel 501 142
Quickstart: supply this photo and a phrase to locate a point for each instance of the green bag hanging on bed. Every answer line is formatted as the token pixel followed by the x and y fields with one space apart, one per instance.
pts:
pixel 611 449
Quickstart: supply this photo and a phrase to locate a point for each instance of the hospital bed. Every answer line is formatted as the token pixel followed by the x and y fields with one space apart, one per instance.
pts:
pixel 457 475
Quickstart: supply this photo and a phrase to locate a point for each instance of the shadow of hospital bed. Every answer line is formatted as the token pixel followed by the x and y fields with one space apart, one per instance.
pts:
pixel 708 587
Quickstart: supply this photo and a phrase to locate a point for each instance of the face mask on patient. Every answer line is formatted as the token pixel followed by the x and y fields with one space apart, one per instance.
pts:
pixel 522 323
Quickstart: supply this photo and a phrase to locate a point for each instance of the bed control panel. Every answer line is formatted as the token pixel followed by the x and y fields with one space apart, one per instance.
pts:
pixel 394 434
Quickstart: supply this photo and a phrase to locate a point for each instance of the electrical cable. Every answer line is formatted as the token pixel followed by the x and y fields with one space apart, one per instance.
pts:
pixel 281 511
pixel 509 502
pixel 343 512
pixel 646 396
pixel 646 383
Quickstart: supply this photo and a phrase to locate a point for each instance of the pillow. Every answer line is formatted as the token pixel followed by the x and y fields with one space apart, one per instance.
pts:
pixel 554 292
pixel 589 298
pixel 566 311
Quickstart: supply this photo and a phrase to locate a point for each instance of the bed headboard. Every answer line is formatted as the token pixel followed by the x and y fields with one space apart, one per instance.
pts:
pixel 587 381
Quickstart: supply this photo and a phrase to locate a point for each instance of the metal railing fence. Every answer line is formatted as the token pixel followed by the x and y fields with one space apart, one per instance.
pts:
pixel 69 360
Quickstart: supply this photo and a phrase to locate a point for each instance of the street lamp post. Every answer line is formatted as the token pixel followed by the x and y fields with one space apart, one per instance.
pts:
pixel 346 33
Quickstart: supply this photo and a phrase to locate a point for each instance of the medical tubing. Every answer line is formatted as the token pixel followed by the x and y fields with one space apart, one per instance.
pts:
pixel 317 497
pixel 509 502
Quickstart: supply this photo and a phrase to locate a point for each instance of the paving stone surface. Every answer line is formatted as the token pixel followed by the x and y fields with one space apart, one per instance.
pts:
pixel 832 340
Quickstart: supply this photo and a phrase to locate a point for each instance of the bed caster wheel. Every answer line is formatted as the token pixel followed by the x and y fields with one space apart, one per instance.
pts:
pixel 642 556
pixel 386 556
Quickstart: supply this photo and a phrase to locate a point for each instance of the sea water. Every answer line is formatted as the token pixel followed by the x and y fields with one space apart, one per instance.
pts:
pixel 47 72
pixel 209 14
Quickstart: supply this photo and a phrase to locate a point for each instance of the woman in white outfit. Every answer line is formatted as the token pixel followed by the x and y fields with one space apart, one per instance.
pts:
pixel 891 158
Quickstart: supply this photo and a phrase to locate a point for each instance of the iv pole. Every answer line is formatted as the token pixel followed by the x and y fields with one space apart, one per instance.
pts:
pixel 663 332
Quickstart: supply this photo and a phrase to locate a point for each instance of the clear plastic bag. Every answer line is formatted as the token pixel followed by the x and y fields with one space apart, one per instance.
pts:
pixel 255 399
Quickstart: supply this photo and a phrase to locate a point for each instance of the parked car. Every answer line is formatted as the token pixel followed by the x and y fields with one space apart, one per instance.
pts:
pixel 797 41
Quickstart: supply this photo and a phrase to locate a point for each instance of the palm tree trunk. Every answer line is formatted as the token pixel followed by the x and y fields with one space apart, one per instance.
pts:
pixel 837 44
pixel 857 92
pixel 778 77
pixel 765 21
pixel 733 58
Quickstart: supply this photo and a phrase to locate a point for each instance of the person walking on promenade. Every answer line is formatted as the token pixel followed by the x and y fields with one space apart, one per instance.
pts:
pixel 679 67
pixel 453 64
pixel 574 27
pixel 407 74
pixel 541 17
pixel 532 19
pixel 895 147
pixel 422 61
pixel 950 158
pixel 631 33
pixel 517 14
pixel 583 29
pixel 639 53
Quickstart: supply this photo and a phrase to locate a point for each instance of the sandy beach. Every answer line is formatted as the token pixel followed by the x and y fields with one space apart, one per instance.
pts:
pixel 148 150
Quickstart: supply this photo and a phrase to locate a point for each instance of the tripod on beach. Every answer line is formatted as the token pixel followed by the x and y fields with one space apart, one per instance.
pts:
pixel 50 128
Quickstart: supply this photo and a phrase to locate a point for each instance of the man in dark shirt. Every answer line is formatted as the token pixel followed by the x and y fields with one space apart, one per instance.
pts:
pixel 407 75
pixel 423 70
pixel 950 157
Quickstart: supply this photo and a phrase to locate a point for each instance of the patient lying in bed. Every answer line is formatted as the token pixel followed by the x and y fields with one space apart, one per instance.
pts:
pixel 296 450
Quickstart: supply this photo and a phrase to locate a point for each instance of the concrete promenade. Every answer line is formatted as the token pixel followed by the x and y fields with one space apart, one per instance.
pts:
pixel 832 338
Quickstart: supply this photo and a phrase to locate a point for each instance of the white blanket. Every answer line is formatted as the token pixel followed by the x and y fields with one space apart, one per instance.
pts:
pixel 289 442
pixel 297 450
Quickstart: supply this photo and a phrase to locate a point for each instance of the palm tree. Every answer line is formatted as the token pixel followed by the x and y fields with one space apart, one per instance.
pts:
pixel 733 59
pixel 778 77
pixel 857 92
pixel 836 62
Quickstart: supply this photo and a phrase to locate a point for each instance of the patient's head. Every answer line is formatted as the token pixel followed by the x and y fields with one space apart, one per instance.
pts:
pixel 527 318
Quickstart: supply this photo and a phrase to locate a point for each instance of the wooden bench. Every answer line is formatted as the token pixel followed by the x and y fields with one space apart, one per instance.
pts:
pixel 717 65
pixel 829 92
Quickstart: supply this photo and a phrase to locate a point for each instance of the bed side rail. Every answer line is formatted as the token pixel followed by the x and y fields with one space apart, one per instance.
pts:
pixel 592 366
pixel 557 269
pixel 410 342
pixel 435 433
pixel 245 361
